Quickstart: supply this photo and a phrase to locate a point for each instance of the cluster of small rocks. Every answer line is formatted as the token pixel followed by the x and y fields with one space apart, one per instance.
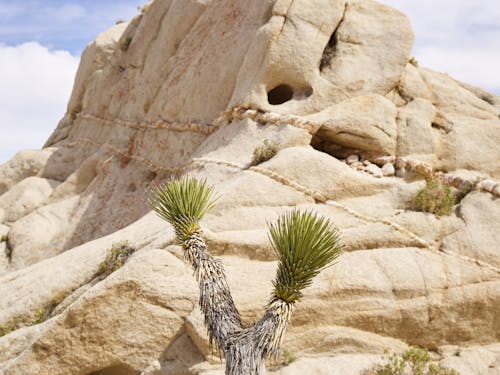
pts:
pixel 385 170
pixel 490 186
pixel 388 166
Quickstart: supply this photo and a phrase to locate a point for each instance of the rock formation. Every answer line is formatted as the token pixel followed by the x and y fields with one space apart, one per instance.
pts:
pixel 194 87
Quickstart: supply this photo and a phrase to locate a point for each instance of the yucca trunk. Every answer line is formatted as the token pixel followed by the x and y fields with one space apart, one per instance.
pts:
pixel 222 319
pixel 245 349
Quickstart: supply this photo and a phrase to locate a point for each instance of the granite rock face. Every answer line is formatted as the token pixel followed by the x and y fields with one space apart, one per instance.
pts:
pixel 194 87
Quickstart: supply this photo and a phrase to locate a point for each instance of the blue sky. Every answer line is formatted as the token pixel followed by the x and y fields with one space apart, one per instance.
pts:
pixel 60 24
pixel 41 43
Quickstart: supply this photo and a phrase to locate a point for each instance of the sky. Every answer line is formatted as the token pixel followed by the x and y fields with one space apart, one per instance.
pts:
pixel 41 43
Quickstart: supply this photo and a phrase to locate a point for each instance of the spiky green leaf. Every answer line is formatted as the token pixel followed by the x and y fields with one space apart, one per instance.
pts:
pixel 305 244
pixel 183 203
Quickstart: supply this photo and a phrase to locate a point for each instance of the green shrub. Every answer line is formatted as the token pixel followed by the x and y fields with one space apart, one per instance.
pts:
pixel 414 361
pixel 41 315
pixel 413 61
pixel 116 258
pixel 436 198
pixel 265 152
pixel 288 357
pixel 7 328
pixel 3 238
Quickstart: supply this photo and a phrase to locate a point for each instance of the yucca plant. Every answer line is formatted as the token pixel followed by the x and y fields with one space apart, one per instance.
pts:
pixel 304 244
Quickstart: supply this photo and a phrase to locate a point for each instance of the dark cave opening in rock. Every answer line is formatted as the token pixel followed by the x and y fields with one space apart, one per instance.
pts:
pixel 329 52
pixel 320 142
pixel 280 94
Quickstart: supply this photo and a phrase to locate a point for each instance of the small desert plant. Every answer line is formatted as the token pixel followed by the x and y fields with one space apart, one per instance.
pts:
pixel 41 315
pixel 288 357
pixel 436 198
pixel 7 328
pixel 414 361
pixel 413 61
pixel 46 311
pixel 116 258
pixel 3 238
pixel 265 152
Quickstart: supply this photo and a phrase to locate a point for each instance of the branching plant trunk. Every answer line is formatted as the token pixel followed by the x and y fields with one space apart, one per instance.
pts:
pixel 304 244
pixel 245 349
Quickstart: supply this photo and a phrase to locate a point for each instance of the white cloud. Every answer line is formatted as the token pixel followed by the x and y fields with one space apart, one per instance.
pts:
pixel 459 37
pixel 35 87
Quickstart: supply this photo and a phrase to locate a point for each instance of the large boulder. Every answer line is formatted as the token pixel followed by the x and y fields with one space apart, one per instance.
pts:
pixel 349 126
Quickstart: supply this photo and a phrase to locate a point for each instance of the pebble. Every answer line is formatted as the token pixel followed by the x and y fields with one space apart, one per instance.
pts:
pixel 388 169
pixel 384 160
pixel 374 170
pixel 352 159
pixel 356 164
pixel 496 190
pixel 400 172
pixel 366 162
pixel 488 185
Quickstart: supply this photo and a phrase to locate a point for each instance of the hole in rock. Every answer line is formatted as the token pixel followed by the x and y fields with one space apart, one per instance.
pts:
pixel 320 143
pixel 116 370
pixel 488 99
pixel 329 52
pixel 280 94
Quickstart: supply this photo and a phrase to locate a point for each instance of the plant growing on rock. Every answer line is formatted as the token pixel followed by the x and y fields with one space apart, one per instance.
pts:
pixel 413 61
pixel 304 244
pixel 414 361
pixel 8 327
pixel 436 198
pixel 265 152
pixel 116 258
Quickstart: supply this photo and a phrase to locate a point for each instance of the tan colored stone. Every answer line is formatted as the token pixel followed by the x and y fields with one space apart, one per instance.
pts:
pixel 250 243
pixel 301 45
pixel 254 189
pixel 246 136
pixel 415 132
pixel 322 173
pixel 15 343
pixel 475 360
pixel 338 365
pixel 478 235
pixel 26 196
pixel 452 98
pixel 24 164
pixel 471 144
pixel 388 170
pixel 97 320
pixel 40 235
pixel 413 86
pixel 365 123
pixel 29 288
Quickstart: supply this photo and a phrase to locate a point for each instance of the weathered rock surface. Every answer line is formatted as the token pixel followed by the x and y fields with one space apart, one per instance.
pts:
pixel 194 87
